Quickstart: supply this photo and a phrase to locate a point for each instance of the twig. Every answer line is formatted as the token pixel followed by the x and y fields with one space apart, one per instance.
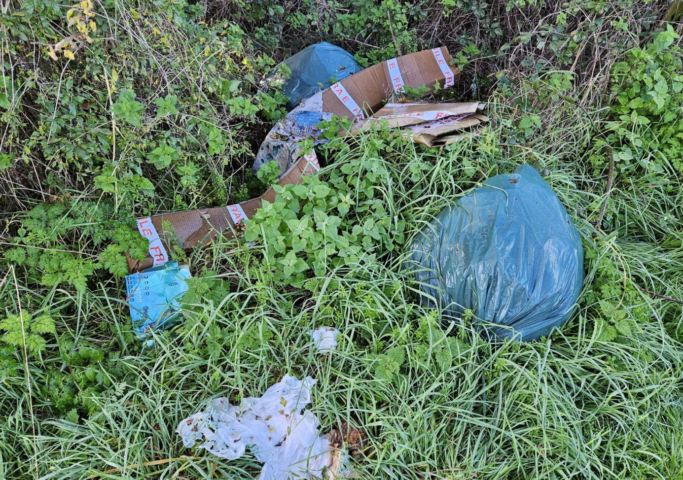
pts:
pixel 398 49
pixel 610 177
pixel 146 464
pixel 659 295
pixel 672 14
pixel 113 132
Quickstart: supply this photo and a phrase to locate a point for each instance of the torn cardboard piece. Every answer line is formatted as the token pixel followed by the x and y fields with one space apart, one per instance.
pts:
pixel 201 226
pixel 431 124
pixel 276 428
pixel 446 131
pixel 355 98
pixel 399 115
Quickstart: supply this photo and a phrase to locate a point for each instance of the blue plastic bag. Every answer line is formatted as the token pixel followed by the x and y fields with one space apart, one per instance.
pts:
pixel 508 252
pixel 313 69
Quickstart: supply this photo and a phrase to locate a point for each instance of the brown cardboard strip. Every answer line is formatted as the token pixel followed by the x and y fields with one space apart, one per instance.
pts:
pixel 200 227
pixel 400 115
pixel 440 133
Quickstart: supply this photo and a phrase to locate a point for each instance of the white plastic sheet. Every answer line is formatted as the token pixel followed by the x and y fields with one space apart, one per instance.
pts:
pixel 325 338
pixel 274 427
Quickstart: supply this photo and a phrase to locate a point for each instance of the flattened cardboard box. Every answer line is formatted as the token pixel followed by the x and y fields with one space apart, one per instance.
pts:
pixel 369 88
pixel 431 124
pixel 443 132
pixel 399 115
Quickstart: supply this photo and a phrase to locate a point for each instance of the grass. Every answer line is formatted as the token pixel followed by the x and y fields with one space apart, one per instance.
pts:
pixel 575 405
pixel 570 406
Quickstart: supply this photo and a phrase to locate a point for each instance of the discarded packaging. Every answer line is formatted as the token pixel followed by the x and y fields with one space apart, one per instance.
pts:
pixel 508 252
pixel 281 143
pixel 355 97
pixel 431 124
pixel 154 296
pixel 325 338
pixel 312 69
pixel 277 430
pixel 201 226
pixel 360 95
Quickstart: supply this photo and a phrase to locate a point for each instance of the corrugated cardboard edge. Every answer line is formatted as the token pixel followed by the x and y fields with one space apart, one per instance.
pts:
pixel 390 113
pixel 371 87
pixel 202 226
pixel 446 135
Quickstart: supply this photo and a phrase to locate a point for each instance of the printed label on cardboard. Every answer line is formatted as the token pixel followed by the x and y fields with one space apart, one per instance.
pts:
pixel 312 158
pixel 443 65
pixel 237 213
pixel 347 100
pixel 156 247
pixel 395 75
pixel 426 116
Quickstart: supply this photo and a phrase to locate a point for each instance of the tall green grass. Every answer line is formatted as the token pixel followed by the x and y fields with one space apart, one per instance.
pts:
pixel 569 406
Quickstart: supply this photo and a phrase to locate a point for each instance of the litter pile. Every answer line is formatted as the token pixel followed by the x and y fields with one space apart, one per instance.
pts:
pixel 276 428
pixel 508 252
pixel 355 97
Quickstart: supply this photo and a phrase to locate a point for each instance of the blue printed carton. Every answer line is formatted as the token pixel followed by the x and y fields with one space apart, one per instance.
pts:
pixel 154 296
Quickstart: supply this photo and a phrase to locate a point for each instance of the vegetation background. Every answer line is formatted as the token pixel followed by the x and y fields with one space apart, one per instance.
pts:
pixel 117 109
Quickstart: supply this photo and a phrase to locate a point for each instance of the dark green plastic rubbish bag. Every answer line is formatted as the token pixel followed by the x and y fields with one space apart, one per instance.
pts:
pixel 509 252
pixel 312 69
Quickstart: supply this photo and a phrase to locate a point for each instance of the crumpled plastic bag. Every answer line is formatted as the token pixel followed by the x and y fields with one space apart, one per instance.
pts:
pixel 281 436
pixel 508 252
pixel 325 338
pixel 314 68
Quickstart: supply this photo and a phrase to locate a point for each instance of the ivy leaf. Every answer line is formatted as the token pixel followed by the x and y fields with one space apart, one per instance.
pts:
pixel 167 105
pixel 127 109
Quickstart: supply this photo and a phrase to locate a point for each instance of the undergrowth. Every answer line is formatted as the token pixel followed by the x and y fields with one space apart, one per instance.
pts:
pixel 160 109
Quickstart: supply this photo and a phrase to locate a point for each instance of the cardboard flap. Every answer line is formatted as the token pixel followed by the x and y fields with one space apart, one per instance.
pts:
pixel 403 115
pixel 370 88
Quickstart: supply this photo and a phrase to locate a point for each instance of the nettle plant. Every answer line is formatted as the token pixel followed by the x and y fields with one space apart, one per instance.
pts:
pixel 55 241
pixel 322 224
pixel 646 132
